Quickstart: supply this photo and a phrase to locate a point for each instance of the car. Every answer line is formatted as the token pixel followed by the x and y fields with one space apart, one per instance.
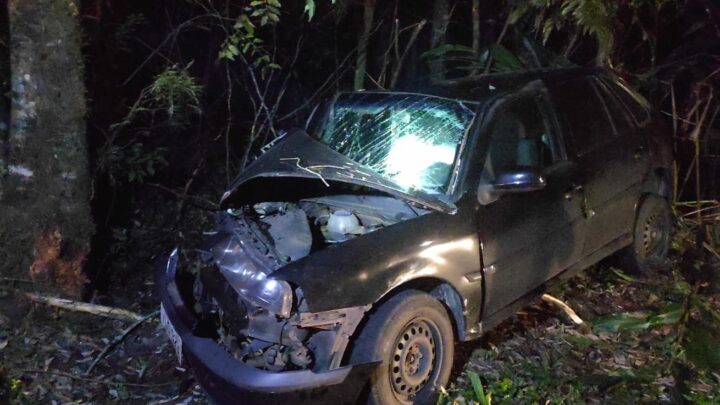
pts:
pixel 352 254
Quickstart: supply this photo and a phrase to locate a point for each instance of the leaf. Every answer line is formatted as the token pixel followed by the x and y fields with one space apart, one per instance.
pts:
pixel 506 61
pixel 480 395
pixel 622 276
pixel 635 322
pixel 310 8
pixel 621 322
pixel 701 346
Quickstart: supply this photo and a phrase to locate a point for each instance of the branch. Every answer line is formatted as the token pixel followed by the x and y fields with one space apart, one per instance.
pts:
pixel 99 310
pixel 97 381
pixel 563 307
pixel 119 338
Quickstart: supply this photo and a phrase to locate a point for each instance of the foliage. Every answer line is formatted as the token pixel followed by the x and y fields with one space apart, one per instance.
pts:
pixel 244 39
pixel 662 347
pixel 165 106
pixel 480 396
pixel 592 17
pixel 175 91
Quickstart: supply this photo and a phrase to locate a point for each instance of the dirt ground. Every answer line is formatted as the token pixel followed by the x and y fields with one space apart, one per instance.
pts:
pixel 535 357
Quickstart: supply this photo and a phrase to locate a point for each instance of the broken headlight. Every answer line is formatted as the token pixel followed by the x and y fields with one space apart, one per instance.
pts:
pixel 247 278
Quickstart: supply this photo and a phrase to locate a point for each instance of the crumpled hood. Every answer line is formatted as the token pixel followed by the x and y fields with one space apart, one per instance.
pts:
pixel 300 156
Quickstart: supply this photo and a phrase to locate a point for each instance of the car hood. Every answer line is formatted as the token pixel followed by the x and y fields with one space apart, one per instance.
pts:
pixel 300 156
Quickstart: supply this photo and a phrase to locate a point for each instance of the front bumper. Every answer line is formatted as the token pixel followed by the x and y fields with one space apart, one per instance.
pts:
pixel 227 380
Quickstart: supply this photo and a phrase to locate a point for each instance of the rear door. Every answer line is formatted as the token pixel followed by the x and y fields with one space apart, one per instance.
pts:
pixel 527 238
pixel 610 154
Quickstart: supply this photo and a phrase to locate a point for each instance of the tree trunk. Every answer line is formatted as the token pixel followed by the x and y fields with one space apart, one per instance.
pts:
pixel 45 194
pixel 475 31
pixel 4 89
pixel 361 64
pixel 441 18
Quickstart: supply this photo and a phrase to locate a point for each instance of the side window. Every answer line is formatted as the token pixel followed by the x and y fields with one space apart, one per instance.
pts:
pixel 583 113
pixel 620 117
pixel 634 102
pixel 519 137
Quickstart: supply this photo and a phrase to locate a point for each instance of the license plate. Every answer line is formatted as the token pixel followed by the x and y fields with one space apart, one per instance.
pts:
pixel 172 334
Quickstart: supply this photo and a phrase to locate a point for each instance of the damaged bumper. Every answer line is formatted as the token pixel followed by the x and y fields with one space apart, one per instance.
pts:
pixel 228 380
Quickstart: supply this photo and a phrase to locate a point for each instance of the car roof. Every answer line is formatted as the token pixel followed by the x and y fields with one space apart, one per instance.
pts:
pixel 484 86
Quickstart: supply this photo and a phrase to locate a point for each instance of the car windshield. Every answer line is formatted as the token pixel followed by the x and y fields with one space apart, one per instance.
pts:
pixel 411 139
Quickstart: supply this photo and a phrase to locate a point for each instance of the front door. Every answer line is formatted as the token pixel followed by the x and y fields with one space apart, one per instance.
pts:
pixel 527 238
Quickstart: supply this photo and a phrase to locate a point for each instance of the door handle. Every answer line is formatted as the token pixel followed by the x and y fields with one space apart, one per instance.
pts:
pixel 577 188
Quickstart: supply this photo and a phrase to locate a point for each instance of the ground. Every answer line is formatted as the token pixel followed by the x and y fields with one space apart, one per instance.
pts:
pixel 535 357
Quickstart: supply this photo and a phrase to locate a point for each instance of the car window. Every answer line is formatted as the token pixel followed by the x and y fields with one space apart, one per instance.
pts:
pixel 411 139
pixel 520 137
pixel 637 106
pixel 583 114
pixel 620 117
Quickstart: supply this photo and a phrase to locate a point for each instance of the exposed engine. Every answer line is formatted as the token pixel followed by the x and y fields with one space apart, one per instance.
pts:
pixel 270 235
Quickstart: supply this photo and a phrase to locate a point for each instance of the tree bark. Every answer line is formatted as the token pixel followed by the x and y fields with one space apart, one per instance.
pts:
pixel 361 64
pixel 45 192
pixel 441 18
pixel 475 31
pixel 476 26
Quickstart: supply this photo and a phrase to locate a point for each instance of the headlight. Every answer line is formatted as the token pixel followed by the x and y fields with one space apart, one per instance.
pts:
pixel 249 280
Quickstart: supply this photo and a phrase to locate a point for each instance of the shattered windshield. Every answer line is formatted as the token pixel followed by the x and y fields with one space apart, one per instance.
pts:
pixel 411 139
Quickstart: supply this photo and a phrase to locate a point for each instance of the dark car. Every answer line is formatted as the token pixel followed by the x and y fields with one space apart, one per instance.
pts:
pixel 354 253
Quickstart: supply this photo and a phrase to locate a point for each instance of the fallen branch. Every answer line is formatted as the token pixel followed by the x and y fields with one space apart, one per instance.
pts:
pixel 16 280
pixel 99 310
pixel 119 338
pixel 97 381
pixel 711 250
pixel 563 307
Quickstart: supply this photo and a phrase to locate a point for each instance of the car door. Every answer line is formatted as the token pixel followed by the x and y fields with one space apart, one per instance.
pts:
pixel 527 238
pixel 610 154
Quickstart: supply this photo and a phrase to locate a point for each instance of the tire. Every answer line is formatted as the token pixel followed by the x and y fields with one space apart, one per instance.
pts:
pixel 652 235
pixel 411 334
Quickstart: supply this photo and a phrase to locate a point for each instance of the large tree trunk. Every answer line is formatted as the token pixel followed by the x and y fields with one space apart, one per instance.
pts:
pixel 361 63
pixel 45 190
pixel 441 18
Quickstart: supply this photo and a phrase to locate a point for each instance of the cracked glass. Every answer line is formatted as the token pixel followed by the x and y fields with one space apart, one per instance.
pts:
pixel 412 139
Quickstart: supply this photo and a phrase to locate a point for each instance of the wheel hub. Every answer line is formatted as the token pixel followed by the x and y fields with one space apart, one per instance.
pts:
pixel 413 359
pixel 652 236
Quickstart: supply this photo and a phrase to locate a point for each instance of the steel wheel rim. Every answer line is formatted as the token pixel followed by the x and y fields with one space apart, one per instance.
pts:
pixel 654 236
pixel 414 356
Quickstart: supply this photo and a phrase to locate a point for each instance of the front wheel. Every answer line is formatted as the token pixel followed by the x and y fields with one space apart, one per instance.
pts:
pixel 651 237
pixel 412 336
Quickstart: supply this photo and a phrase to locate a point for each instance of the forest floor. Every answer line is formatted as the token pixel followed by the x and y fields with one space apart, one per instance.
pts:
pixel 634 355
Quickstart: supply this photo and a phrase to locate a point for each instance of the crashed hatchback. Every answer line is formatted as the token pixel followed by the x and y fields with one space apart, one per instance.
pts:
pixel 351 255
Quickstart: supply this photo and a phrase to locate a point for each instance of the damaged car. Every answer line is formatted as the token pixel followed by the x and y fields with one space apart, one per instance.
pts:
pixel 351 255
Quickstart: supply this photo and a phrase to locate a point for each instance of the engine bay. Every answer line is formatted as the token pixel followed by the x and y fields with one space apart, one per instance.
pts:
pixel 270 235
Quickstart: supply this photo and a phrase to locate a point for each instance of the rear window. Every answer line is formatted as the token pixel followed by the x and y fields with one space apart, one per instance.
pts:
pixel 583 113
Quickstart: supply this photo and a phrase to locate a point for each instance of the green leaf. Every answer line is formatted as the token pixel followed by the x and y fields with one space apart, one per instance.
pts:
pixel 506 61
pixel 635 322
pixel 310 8
pixel 480 395
pixel 622 275
pixel 621 322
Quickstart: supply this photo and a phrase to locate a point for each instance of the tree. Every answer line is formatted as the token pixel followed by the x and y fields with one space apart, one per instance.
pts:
pixel 440 21
pixel 45 188
pixel 363 39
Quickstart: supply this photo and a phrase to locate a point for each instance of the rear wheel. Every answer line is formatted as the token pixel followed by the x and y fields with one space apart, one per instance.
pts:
pixel 412 336
pixel 651 237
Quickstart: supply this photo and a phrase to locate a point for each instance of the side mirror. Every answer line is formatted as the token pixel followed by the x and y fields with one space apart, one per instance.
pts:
pixel 518 181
